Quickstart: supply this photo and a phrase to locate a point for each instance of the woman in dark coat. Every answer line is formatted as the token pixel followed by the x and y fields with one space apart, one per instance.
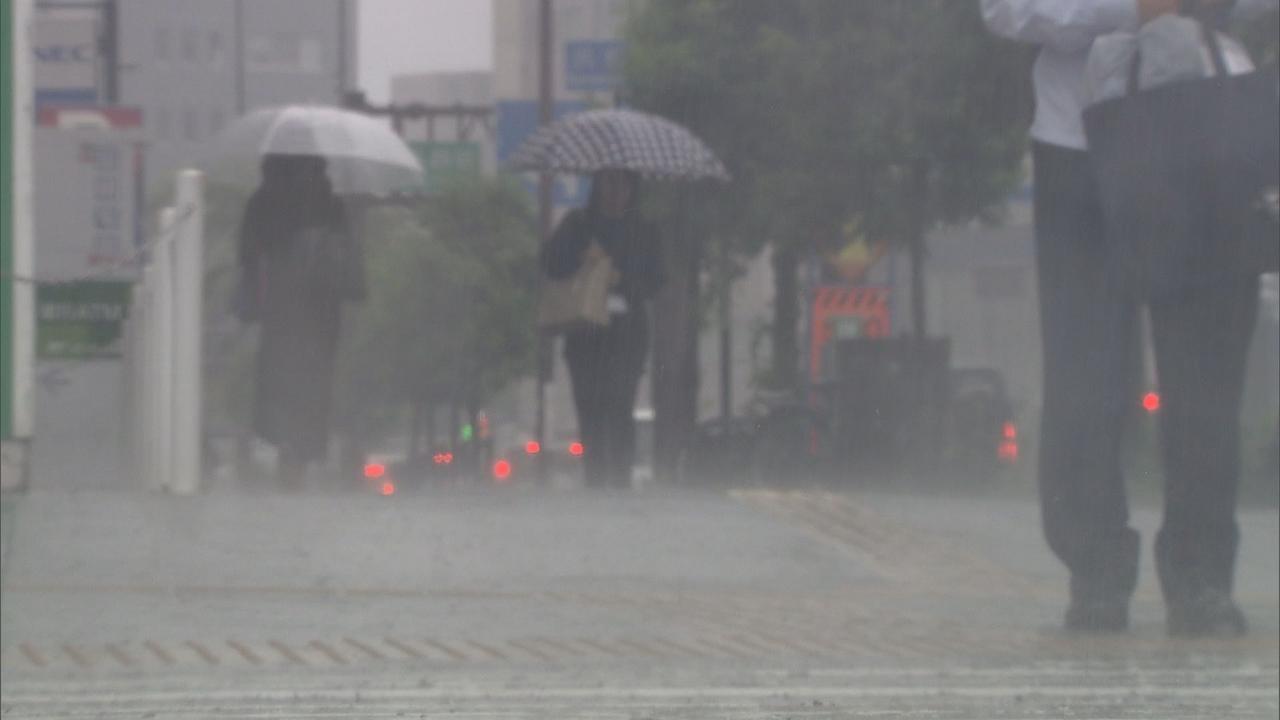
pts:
pixel 605 364
pixel 299 311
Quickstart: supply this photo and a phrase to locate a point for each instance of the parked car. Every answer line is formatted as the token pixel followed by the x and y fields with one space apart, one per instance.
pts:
pixel 777 440
pixel 982 435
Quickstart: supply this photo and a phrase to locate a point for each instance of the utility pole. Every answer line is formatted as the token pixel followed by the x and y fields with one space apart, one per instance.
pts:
pixel 916 247
pixel 110 43
pixel 545 111
pixel 237 15
pixel 725 292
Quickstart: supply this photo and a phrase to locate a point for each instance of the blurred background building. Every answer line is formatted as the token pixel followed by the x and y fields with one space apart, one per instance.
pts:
pixel 192 66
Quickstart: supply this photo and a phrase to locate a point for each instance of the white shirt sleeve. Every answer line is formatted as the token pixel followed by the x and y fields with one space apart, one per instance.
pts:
pixel 1249 10
pixel 1064 25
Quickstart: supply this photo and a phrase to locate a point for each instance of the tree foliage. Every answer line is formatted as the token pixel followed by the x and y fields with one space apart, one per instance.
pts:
pixel 821 107
pixel 449 316
pixel 893 116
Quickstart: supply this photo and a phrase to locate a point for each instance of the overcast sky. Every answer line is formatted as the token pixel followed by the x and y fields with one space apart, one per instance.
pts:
pixel 406 36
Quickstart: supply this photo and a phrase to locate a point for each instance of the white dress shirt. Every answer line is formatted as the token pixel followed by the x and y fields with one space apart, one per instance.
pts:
pixel 1065 31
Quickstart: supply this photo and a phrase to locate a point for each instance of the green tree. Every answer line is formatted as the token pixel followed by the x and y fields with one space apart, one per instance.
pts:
pixel 896 115
pixel 449 316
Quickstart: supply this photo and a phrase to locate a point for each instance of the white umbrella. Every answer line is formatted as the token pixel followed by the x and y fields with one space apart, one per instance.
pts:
pixel 364 155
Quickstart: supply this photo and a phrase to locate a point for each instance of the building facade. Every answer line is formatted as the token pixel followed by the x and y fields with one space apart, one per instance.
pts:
pixel 192 66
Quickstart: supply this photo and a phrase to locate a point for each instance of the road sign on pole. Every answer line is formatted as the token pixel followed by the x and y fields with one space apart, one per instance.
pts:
pixel 592 65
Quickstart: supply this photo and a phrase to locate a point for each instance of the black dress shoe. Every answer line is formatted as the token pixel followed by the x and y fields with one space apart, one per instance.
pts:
pixel 1097 617
pixel 1213 614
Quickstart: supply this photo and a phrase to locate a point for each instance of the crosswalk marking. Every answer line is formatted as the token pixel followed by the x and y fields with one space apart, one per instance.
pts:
pixel 245 652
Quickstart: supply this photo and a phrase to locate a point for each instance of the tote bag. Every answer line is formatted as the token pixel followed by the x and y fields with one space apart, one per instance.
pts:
pixel 1182 172
pixel 579 301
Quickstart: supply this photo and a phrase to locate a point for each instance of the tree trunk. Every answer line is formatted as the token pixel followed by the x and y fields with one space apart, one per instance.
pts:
pixel 454 414
pixel 786 315
pixel 415 431
pixel 725 301
pixel 919 307
pixel 674 380
pixel 916 247
pixel 431 427
pixel 472 448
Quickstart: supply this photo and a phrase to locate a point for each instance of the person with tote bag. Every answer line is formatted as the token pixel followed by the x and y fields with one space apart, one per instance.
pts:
pixel 603 262
pixel 1089 309
pixel 1184 157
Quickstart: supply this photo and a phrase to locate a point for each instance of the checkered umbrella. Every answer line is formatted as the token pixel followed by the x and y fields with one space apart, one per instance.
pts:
pixel 618 140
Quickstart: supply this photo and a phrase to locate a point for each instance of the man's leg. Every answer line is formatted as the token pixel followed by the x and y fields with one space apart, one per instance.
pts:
pixel 1087 327
pixel 1201 342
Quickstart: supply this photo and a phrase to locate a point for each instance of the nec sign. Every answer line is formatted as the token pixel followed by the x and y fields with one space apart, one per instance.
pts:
pixel 67 60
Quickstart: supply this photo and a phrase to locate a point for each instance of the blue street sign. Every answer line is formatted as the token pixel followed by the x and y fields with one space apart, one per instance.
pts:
pixel 517 120
pixel 592 64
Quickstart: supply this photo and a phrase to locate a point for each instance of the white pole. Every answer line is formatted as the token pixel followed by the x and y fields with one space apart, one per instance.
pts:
pixel 159 354
pixel 24 300
pixel 188 331
pixel 17 299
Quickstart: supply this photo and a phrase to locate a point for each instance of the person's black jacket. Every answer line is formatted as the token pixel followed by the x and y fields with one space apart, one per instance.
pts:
pixel 631 244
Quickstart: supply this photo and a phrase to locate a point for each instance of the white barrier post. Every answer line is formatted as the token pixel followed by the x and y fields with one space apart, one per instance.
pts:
pixel 188 330
pixel 160 355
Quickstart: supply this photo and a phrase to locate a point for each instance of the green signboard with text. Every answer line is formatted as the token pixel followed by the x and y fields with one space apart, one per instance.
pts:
pixel 76 321
pixel 446 162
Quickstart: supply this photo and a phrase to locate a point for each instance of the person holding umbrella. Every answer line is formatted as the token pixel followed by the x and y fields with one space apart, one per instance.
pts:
pixel 606 344
pixel 295 261
pixel 605 363
pixel 1089 307
pixel 299 259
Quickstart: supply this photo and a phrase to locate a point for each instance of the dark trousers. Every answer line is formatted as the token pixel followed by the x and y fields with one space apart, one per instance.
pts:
pixel 1201 342
pixel 604 369
pixel 1089 331
pixel 1088 325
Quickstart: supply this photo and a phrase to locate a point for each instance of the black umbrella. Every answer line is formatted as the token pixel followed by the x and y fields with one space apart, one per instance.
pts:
pixel 618 140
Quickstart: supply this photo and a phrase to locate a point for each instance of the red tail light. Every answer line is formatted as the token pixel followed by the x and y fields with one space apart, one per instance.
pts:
pixel 533 447
pixel 1151 402
pixel 388 488
pixel 502 470
pixel 373 471
pixel 1010 431
pixel 442 458
pixel 576 449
